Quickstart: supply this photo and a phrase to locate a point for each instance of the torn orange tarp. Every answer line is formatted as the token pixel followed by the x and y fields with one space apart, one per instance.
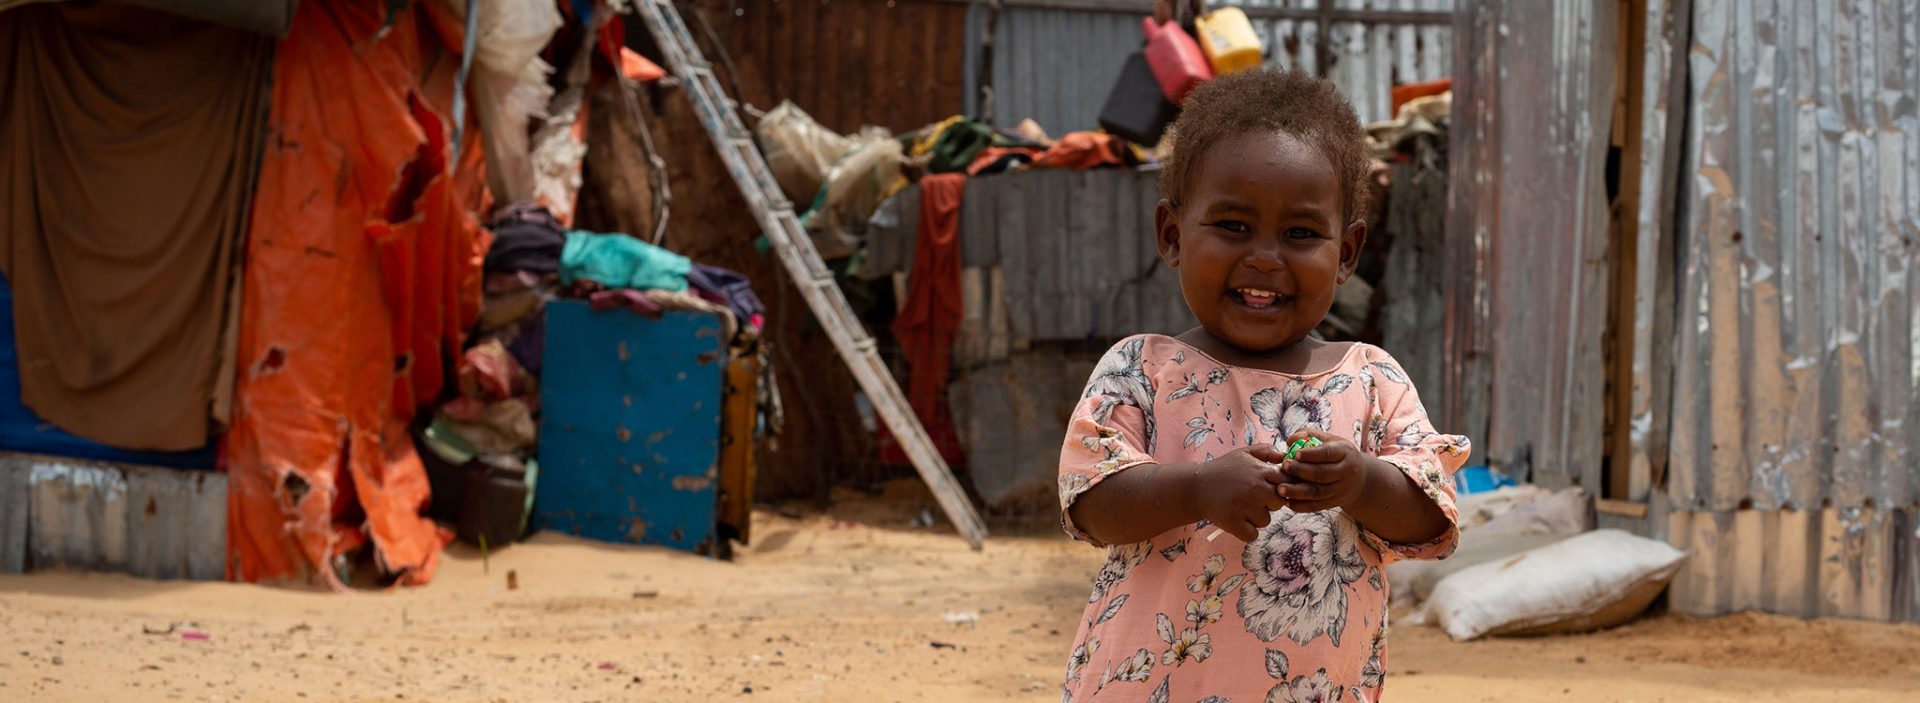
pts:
pixel 363 270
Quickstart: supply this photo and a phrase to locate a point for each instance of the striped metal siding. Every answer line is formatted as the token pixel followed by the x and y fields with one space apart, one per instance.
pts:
pixel 156 523
pixel 1053 66
pixel 899 64
pixel 1837 562
pixel 1074 248
pixel 1794 387
pixel 1796 370
pixel 1533 100
pixel 1057 65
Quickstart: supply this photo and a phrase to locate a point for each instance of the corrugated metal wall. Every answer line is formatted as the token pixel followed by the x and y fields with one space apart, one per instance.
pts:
pixel 895 63
pixel 1074 251
pixel 1533 100
pixel 1795 361
pixel 156 523
pixel 1057 65
pixel 1794 404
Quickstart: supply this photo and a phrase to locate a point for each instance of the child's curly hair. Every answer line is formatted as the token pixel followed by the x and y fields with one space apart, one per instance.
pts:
pixel 1267 99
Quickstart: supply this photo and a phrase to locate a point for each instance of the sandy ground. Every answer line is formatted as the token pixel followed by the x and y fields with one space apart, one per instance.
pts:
pixel 850 605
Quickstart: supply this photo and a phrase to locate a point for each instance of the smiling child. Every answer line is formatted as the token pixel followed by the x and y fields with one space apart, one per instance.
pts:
pixel 1177 437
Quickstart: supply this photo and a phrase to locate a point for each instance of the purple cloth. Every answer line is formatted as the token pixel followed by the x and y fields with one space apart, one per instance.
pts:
pixel 727 288
pixel 530 346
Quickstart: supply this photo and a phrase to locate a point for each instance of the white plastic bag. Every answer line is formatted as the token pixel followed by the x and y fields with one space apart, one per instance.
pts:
pixel 865 177
pixel 799 151
pixel 1583 583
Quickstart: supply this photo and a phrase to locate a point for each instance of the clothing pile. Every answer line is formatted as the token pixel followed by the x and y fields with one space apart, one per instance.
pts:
pixel 482 442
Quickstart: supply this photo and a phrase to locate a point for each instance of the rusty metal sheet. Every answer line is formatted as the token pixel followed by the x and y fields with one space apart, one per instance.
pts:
pixel 848 63
pixel 1663 113
pixel 1533 103
pixel 1795 374
pixel 79 516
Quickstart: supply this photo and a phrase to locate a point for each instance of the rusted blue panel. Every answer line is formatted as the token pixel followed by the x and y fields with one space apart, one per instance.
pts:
pixel 630 426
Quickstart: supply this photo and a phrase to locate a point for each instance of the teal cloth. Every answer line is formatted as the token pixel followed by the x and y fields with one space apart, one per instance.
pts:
pixel 620 261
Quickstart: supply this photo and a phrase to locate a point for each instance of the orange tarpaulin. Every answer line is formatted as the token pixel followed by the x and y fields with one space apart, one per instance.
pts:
pixel 363 271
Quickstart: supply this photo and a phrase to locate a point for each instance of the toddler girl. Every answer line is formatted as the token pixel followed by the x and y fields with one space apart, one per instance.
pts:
pixel 1179 438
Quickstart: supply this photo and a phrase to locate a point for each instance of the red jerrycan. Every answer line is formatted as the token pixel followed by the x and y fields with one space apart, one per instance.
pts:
pixel 1176 59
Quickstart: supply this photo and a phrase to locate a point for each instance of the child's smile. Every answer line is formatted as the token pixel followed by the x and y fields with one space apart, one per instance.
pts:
pixel 1261 243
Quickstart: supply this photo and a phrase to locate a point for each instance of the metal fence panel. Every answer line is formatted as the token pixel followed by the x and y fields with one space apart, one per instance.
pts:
pixel 1056 65
pixel 1795 372
pixel 1533 99
pixel 150 522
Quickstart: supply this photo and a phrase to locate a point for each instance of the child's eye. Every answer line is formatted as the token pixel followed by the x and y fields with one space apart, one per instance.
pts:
pixel 1234 226
pixel 1302 233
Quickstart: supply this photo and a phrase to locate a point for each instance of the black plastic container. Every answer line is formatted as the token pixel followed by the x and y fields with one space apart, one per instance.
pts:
pixel 494 502
pixel 1136 110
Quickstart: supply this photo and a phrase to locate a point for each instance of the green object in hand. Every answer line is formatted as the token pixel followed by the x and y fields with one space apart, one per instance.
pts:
pixel 1298 444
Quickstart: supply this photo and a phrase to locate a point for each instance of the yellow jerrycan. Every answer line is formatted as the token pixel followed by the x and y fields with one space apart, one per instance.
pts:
pixel 1227 38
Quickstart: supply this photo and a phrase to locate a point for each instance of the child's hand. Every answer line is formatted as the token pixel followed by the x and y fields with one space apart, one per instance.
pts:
pixel 1239 491
pixel 1332 475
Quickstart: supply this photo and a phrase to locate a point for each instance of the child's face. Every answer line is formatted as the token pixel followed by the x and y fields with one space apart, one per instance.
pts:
pixel 1261 242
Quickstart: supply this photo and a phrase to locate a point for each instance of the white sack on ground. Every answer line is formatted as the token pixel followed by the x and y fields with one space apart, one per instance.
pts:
pixel 1522 518
pixel 1587 582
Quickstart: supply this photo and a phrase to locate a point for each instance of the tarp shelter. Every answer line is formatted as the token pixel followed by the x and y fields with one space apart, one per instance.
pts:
pixel 204 226
pixel 363 273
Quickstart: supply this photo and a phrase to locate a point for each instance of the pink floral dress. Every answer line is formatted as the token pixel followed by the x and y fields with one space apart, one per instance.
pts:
pixel 1300 614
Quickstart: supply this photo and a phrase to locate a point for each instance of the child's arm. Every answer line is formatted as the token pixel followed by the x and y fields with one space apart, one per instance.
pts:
pixel 1237 492
pixel 1377 494
pixel 1401 491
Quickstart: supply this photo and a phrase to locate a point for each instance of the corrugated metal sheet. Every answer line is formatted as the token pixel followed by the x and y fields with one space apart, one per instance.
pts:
pixel 156 523
pixel 1056 65
pixel 1795 372
pixel 1533 102
pixel 1011 414
pixel 899 64
pixel 1794 389
pixel 1836 562
pixel 1663 110
pixel 1074 250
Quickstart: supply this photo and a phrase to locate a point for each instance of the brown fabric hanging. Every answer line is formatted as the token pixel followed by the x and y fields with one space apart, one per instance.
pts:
pixel 128 143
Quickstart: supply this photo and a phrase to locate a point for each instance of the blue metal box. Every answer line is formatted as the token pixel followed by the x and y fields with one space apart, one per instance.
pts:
pixel 630 426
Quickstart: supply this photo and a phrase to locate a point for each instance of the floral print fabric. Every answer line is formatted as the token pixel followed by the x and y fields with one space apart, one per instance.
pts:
pixel 1298 615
